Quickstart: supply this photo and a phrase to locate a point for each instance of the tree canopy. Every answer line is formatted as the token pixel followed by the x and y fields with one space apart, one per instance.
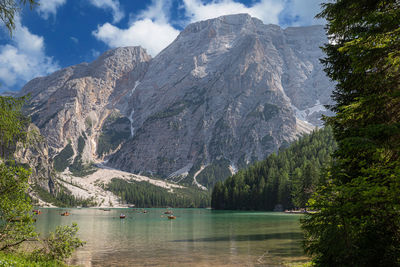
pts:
pixel 12 123
pixel 358 223
pixel 281 181
pixel 9 10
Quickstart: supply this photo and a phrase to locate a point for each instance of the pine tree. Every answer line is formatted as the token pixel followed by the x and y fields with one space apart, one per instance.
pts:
pixel 358 223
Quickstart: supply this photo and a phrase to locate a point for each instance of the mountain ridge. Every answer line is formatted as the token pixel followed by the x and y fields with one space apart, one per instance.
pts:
pixel 230 90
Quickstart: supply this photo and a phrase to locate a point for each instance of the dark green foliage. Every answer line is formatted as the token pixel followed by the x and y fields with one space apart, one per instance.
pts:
pixel 9 10
pixel 62 198
pixel 81 144
pixel 358 223
pixel 144 194
pixel 63 159
pixel 115 131
pixel 218 171
pixel 78 168
pixel 286 179
pixel 13 124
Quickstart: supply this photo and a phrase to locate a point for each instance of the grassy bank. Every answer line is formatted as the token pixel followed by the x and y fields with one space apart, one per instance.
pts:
pixel 26 260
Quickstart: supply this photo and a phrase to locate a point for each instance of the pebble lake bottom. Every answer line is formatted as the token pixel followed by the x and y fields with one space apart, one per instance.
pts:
pixel 197 237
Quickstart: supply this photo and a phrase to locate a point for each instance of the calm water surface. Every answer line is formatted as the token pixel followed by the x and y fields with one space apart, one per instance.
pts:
pixel 197 237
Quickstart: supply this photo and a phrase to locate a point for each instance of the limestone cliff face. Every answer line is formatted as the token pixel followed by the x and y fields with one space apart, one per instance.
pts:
pixel 73 103
pixel 228 90
pixel 35 154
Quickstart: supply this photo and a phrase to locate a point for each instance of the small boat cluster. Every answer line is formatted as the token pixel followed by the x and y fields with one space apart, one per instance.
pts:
pixel 168 213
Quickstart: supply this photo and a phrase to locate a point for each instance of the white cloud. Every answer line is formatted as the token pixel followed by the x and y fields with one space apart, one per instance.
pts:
pixel 49 7
pixel 24 59
pixel 157 11
pixel 150 30
pixel 118 14
pixel 151 35
pixel 266 10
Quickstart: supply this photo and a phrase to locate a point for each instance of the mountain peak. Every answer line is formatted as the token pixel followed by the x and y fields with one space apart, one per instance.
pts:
pixel 228 91
pixel 132 51
pixel 233 22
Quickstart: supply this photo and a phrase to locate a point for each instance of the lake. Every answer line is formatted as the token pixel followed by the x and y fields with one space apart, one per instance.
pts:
pixel 197 237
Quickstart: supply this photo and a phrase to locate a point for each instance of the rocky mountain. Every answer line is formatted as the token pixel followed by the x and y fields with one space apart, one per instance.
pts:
pixel 228 91
pixel 71 106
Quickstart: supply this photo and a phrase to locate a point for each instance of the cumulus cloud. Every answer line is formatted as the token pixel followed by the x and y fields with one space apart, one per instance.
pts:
pixel 49 7
pixel 266 10
pixel 113 5
pixel 24 58
pixel 150 30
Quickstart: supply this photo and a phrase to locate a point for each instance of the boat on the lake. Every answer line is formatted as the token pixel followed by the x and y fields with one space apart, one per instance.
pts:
pixel 122 216
pixel 65 213
pixel 171 217
pixel 168 212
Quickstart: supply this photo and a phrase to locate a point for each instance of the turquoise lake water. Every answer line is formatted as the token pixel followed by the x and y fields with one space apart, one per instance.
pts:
pixel 197 237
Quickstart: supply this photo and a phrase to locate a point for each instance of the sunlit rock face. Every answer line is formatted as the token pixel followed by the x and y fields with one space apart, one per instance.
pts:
pixel 74 103
pixel 229 90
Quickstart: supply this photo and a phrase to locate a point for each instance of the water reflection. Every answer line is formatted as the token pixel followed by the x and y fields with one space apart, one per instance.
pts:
pixel 198 237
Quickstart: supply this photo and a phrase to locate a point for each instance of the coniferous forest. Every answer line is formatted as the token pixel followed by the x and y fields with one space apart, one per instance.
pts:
pixel 282 181
pixel 144 194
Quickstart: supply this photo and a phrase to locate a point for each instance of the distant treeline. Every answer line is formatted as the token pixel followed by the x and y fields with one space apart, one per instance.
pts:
pixel 144 194
pixel 61 198
pixel 282 181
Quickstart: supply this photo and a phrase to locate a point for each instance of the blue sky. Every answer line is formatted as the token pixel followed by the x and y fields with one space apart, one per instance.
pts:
pixel 60 33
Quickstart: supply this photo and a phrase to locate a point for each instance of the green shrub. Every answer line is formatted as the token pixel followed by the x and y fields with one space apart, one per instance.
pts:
pixel 60 244
pixel 23 260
